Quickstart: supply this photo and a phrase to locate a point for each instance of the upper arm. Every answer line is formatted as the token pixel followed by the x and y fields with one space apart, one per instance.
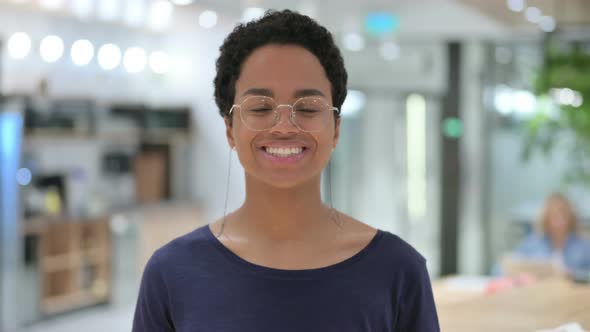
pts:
pixel 417 308
pixel 152 312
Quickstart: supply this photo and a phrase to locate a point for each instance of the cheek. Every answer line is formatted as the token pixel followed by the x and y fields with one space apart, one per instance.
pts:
pixel 325 143
pixel 242 138
pixel 324 140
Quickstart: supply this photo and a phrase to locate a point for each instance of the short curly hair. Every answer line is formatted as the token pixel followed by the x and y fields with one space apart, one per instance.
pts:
pixel 277 27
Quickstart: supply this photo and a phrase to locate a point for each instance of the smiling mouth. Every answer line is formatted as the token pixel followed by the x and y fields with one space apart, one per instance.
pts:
pixel 284 152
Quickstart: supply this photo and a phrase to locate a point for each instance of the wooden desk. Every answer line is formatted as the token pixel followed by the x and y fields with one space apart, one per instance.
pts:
pixel 546 304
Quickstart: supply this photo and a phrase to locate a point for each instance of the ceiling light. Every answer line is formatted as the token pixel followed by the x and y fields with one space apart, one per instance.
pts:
pixel 354 42
pixel 108 10
pixel 82 52
pixel 82 8
pixel 19 45
pixel 533 14
pixel 135 12
pixel 515 5
pixel 160 14
pixel 547 23
pixel 52 48
pixel 208 19
pixel 50 4
pixel 109 56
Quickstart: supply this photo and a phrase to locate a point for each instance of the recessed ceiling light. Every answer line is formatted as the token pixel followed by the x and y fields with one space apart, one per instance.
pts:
pixel 52 48
pixel 533 14
pixel 354 42
pixel 208 19
pixel 516 5
pixel 82 52
pixel 547 23
pixel 19 45
pixel 109 56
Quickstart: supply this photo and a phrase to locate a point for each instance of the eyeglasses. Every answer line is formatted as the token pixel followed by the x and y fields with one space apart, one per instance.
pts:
pixel 310 114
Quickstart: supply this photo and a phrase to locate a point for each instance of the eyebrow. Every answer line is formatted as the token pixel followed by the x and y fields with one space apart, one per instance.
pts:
pixel 259 92
pixel 297 94
pixel 308 92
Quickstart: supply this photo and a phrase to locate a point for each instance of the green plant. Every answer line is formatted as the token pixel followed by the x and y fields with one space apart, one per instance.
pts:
pixel 546 130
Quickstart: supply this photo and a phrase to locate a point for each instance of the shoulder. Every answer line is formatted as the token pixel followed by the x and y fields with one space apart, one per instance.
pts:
pixel 581 241
pixel 392 249
pixel 401 256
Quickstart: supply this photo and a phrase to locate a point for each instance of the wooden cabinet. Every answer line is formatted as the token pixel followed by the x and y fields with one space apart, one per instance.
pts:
pixel 75 259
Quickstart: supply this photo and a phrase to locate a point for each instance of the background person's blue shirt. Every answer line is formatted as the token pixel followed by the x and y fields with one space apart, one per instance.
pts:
pixel 576 252
pixel 196 284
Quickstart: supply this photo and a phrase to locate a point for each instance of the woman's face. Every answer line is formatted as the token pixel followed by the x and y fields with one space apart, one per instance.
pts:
pixel 558 220
pixel 285 73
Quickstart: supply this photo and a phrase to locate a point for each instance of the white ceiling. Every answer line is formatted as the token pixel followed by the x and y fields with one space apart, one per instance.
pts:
pixel 420 19
pixel 566 12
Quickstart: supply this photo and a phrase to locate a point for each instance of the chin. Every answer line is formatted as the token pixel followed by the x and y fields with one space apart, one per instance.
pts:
pixel 280 181
pixel 284 183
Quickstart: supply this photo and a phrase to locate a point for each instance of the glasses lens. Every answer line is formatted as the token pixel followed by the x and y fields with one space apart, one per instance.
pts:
pixel 257 112
pixel 312 114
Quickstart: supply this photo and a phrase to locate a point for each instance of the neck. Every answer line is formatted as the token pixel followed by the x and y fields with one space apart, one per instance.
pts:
pixel 283 214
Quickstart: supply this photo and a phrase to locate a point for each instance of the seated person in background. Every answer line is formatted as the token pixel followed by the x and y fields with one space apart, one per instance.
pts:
pixel 556 242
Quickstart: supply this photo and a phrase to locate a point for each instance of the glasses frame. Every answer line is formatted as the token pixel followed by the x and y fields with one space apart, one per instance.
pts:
pixel 277 115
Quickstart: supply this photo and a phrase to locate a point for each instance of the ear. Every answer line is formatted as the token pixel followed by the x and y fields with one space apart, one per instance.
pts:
pixel 228 132
pixel 337 131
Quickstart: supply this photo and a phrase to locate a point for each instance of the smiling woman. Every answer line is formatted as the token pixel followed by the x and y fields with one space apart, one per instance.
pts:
pixel 284 260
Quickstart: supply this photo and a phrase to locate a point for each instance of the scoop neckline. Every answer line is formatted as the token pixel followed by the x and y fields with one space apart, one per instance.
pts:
pixel 313 273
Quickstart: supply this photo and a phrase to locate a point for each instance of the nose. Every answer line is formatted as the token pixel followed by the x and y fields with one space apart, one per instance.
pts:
pixel 284 122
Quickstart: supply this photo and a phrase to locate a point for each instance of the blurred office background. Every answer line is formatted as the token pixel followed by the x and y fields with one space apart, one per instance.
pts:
pixel 111 144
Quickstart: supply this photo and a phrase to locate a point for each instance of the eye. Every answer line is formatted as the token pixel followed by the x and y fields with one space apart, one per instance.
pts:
pixel 262 112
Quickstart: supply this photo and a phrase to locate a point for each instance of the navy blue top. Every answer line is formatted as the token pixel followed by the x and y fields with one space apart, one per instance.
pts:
pixel 196 284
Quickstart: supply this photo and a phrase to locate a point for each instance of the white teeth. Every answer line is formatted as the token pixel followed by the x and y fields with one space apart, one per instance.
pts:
pixel 283 152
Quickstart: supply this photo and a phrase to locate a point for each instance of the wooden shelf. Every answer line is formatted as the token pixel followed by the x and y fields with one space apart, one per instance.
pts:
pixel 67 302
pixel 75 264
pixel 73 260
pixel 59 262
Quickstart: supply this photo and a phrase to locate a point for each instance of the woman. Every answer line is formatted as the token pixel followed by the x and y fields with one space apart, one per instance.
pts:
pixel 557 241
pixel 284 261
